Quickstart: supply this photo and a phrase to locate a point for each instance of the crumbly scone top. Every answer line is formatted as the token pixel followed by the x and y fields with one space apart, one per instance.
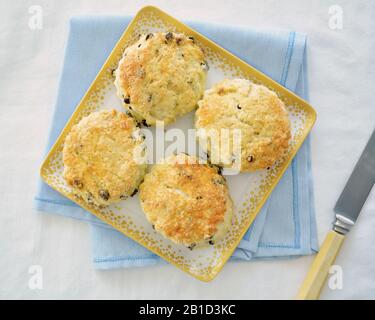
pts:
pixel 185 201
pixel 253 109
pixel 99 160
pixel 161 77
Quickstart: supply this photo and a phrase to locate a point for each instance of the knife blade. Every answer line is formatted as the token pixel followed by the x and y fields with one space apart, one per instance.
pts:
pixel 356 190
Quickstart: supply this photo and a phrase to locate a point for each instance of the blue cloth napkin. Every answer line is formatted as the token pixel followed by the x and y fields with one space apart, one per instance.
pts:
pixel 286 224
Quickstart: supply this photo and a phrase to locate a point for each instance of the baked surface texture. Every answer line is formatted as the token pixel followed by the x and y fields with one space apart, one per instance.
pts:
pixel 161 77
pixel 187 202
pixel 256 112
pixel 100 157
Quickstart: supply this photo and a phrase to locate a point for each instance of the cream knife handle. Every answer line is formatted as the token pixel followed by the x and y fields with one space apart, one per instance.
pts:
pixel 315 279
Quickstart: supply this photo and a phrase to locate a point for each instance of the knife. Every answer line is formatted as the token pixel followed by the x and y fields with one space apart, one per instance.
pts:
pixel 347 210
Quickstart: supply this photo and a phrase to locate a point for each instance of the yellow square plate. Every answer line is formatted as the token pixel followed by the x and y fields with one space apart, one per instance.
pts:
pixel 249 191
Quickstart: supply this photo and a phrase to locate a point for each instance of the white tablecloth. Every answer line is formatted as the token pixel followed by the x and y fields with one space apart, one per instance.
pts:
pixel 342 76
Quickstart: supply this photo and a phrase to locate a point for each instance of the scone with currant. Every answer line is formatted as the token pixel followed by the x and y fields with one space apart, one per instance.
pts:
pixel 241 108
pixel 161 77
pixel 103 158
pixel 186 201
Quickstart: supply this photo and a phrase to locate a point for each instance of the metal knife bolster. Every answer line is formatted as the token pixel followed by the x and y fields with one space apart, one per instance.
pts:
pixel 341 224
pixel 356 190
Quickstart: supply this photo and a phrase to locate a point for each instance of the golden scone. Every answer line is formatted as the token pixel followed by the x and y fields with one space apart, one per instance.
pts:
pixel 161 77
pixel 187 202
pixel 100 159
pixel 258 114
